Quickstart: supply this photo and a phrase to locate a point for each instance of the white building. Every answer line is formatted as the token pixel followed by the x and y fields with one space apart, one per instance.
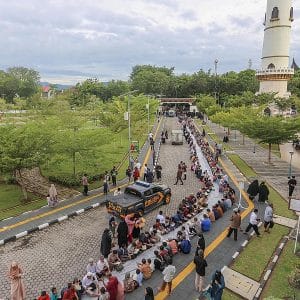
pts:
pixel 275 71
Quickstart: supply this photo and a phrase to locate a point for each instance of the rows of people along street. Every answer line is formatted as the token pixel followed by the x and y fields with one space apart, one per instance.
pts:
pixel 129 241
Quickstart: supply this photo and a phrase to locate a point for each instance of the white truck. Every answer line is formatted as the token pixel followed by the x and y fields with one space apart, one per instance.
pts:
pixel 177 137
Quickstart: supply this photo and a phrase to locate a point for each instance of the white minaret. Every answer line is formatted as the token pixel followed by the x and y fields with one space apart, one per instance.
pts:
pixel 275 71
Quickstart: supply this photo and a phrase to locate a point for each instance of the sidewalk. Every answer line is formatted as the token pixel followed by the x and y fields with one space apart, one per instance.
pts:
pixel 28 222
pixel 275 173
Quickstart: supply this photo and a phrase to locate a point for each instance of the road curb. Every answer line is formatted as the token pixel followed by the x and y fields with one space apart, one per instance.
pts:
pixel 48 224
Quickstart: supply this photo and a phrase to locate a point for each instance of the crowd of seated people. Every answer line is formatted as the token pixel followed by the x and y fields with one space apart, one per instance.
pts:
pixel 133 239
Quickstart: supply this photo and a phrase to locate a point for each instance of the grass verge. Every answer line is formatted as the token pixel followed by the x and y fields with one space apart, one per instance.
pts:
pixel 228 295
pixel 280 204
pixel 278 285
pixel 254 259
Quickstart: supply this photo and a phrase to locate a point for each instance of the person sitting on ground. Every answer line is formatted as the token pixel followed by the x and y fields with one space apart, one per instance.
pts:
pixel 151 264
pixel 87 280
pixel 114 260
pixel 44 296
pixel 129 284
pixel 155 237
pixel 124 253
pixel 173 245
pixel 219 209
pixel 145 268
pixel 222 205
pixel 185 246
pixel 158 261
pixel 211 215
pixel 92 291
pixel 91 267
pixel 104 295
pixel 167 248
pixel 227 203
pixel 145 239
pixel 138 277
pixel 216 212
pixel 78 287
pixel 185 232
pixel 102 266
pixel 205 223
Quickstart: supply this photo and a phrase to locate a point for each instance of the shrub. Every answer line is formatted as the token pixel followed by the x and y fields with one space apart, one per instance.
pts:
pixel 294 278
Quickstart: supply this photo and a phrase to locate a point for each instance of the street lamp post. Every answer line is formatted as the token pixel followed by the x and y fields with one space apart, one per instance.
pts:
pixel 290 168
pixel 216 74
pixel 128 118
pixel 148 107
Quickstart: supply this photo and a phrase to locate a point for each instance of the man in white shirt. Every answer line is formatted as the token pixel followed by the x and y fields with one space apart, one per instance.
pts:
pixel 102 265
pixel 169 274
pixel 137 164
pixel 88 279
pixel 161 218
pixel 253 222
pixel 91 267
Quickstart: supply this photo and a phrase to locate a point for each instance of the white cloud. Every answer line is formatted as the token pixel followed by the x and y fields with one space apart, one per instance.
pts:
pixel 71 40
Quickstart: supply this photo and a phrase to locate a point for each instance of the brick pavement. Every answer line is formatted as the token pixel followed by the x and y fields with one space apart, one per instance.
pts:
pixel 275 173
pixel 59 253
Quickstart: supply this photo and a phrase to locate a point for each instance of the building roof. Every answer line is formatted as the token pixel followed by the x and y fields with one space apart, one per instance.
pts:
pixel 294 65
pixel 46 89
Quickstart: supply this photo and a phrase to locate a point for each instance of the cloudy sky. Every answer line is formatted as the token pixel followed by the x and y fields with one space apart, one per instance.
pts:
pixel 70 40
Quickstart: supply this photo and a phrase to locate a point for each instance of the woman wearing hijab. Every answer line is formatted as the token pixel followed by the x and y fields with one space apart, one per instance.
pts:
pixel 16 284
pixel 106 243
pixel 53 196
pixel 253 189
pixel 122 232
pixel 217 285
pixel 200 243
pixel 149 295
pixel 263 193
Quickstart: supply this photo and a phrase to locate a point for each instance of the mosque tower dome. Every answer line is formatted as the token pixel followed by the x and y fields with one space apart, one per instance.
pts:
pixel 275 71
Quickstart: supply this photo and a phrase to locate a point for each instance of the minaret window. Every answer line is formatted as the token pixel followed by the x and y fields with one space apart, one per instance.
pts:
pixel 275 14
pixel 271 66
pixel 292 14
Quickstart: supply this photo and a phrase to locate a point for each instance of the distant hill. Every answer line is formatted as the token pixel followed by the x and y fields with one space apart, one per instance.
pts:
pixel 58 86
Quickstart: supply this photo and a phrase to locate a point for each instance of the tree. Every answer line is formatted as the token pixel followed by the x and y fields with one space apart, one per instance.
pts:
pixel 28 80
pixel 204 102
pixel 270 130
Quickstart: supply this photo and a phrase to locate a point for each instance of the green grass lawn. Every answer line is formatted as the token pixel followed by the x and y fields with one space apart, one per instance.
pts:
pixel 254 259
pixel 280 204
pixel 241 165
pixel 278 284
pixel 228 295
pixel 11 196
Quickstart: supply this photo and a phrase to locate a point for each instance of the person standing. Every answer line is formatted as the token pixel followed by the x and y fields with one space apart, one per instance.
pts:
pixel 169 273
pixel 114 174
pixel 292 184
pixel 217 285
pixel 17 289
pixel 253 189
pixel 263 192
pixel 201 264
pixel 268 218
pixel 184 169
pixel 235 224
pixel 122 233
pixel 179 175
pixel 129 173
pixel 158 169
pixel 105 187
pixel 106 243
pixel 253 222
pixel 136 174
pixel 53 195
pixel 145 172
pixel 85 184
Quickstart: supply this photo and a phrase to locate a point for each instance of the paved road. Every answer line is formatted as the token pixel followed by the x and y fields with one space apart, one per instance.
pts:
pixel 54 256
